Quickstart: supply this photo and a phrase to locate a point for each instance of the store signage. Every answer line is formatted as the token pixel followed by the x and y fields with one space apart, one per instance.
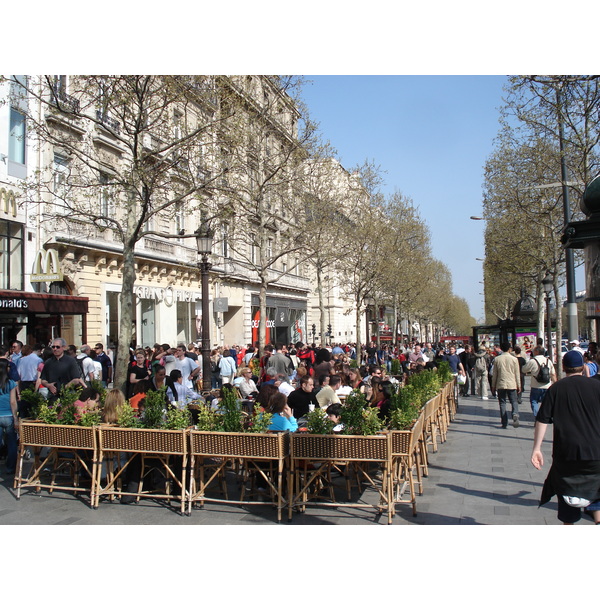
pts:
pixel 8 202
pixel 14 303
pixel 168 295
pixel 256 322
pixel 46 266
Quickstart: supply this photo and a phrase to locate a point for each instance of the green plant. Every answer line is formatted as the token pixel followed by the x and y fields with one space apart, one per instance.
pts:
pixel 357 418
pixel 34 400
pixel 317 422
pixel 444 372
pixel 233 418
pixel 353 363
pixel 90 418
pixel 178 418
pixel 259 421
pixel 66 404
pixel 154 409
pixel 208 419
pixel 48 414
pixel 127 417
pixel 396 367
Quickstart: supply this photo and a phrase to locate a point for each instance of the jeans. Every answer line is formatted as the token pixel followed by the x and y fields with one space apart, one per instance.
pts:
pixel 511 396
pixel 7 426
pixel 535 399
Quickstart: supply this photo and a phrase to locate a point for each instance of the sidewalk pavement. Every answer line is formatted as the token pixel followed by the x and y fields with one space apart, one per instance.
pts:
pixel 481 475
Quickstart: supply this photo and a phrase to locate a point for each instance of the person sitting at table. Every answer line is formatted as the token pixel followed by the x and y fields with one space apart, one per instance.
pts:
pixel 247 386
pixel 283 418
pixel 139 393
pixel 328 394
pixel 88 400
pixel 113 401
pixel 180 395
pixel 334 412
pixel 301 399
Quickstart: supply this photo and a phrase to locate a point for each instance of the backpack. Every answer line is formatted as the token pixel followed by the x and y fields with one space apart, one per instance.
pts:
pixel 543 374
pixel 83 375
pixel 480 365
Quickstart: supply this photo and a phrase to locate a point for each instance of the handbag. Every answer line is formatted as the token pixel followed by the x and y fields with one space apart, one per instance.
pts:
pixel 461 379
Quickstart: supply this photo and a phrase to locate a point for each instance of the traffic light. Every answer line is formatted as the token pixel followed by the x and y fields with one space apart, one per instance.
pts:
pixel 329 329
pixel 314 329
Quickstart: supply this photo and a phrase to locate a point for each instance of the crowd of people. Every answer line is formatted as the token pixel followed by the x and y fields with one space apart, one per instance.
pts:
pixel 291 382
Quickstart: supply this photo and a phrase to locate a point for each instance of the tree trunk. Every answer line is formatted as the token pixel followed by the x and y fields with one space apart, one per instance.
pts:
pixel 262 325
pixel 358 348
pixel 126 320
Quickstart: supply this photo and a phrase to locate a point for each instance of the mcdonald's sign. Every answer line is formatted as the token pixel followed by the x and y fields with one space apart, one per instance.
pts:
pixel 8 202
pixel 46 266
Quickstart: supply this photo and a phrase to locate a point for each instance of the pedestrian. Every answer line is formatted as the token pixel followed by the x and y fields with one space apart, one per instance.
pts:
pixel 572 405
pixel 506 380
pixel 539 384
pixel 522 362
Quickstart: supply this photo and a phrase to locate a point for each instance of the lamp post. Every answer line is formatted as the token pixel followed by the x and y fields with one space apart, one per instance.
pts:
pixel 548 285
pixel 204 240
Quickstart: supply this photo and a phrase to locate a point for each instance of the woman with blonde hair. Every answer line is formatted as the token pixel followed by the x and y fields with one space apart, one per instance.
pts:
pixel 113 401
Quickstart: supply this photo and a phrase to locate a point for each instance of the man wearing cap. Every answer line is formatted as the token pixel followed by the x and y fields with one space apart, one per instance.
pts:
pixel 574 345
pixel 572 405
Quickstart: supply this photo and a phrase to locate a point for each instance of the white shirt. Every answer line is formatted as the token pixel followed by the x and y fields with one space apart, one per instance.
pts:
pixel 88 367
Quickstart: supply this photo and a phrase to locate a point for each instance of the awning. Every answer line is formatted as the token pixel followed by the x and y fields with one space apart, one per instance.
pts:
pixel 29 303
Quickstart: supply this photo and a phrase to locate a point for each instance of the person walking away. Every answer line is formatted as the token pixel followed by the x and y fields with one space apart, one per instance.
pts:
pixel 540 380
pixel 482 364
pixel 522 361
pixel 506 380
pixel 464 359
pixel 572 405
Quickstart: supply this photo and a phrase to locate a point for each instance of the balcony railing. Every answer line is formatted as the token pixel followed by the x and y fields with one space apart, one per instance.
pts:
pixel 62 100
pixel 108 122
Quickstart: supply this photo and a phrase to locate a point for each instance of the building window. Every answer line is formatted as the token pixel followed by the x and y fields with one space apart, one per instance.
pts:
pixel 225 249
pixel 180 220
pixel 105 201
pixel 60 177
pixel 11 255
pixel 17 154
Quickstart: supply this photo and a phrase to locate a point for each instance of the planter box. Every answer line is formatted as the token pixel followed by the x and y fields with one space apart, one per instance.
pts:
pixel 72 447
pixel 164 446
pixel 260 453
pixel 327 451
pixel 36 433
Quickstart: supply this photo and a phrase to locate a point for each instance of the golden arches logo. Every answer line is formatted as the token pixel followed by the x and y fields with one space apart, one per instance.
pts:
pixel 46 266
pixel 8 202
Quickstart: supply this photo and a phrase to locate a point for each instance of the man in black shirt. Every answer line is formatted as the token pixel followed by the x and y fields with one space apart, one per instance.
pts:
pixel 60 370
pixel 300 400
pixel 572 405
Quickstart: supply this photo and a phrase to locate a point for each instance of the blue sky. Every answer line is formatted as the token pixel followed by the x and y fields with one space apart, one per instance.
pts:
pixel 431 135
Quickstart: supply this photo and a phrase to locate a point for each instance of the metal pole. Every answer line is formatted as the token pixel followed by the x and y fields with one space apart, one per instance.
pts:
pixel 549 327
pixel 572 324
pixel 206 377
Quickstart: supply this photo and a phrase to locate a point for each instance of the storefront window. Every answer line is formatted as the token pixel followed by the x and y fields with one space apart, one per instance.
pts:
pixel 185 319
pixel 11 255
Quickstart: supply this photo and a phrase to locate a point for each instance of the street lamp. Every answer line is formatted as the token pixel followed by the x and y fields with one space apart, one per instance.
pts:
pixel 204 241
pixel 548 285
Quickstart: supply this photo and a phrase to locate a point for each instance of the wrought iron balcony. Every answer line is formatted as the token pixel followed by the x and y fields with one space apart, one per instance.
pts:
pixel 108 122
pixel 62 100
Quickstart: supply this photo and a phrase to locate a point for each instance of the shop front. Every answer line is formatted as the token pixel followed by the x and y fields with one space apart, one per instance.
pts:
pixel 38 318
pixel 286 320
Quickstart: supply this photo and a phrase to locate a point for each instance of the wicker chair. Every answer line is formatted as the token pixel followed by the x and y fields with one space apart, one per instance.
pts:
pixel 407 463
